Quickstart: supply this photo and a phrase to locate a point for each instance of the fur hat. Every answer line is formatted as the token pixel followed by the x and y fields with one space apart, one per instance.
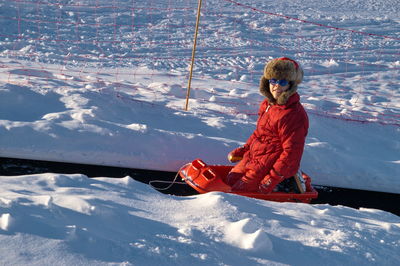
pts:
pixel 281 68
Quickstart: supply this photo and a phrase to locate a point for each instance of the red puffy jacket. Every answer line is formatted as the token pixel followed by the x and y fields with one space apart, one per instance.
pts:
pixel 275 148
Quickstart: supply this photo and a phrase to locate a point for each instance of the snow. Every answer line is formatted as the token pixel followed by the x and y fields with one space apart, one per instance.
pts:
pixel 105 84
pixel 53 219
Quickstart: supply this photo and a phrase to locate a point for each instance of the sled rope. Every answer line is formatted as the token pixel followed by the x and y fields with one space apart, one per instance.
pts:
pixel 171 183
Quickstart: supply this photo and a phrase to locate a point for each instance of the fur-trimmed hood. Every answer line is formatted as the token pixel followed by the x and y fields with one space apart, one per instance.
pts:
pixel 281 68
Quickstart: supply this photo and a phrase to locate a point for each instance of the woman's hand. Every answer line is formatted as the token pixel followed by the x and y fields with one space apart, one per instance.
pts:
pixel 268 184
pixel 237 154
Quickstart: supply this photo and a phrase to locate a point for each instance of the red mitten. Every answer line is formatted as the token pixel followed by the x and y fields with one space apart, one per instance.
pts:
pixel 268 184
pixel 242 185
pixel 237 154
pixel 239 186
pixel 232 178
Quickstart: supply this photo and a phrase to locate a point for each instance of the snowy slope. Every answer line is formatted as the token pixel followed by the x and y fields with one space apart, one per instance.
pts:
pixel 51 219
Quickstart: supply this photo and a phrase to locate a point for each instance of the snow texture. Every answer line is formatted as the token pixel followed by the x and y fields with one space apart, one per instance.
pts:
pixel 52 219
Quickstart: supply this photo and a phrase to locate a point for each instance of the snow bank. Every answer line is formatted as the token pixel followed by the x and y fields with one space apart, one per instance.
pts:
pixel 52 219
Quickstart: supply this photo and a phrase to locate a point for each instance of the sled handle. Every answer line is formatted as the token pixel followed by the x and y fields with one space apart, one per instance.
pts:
pixel 209 174
pixel 198 164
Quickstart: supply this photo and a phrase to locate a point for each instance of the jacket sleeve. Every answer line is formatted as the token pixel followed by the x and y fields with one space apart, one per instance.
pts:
pixel 263 107
pixel 249 141
pixel 292 132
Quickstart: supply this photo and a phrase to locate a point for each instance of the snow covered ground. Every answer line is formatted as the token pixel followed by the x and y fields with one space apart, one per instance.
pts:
pixel 51 219
pixel 104 82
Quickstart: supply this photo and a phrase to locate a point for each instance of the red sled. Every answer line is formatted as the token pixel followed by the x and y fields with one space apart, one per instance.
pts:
pixel 207 178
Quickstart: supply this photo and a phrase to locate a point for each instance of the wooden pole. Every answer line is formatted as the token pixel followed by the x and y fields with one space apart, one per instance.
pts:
pixel 193 54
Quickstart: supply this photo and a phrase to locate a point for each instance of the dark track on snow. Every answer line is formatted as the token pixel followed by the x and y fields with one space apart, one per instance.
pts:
pixel 327 195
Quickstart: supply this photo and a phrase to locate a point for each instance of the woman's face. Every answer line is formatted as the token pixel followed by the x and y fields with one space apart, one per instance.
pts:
pixel 276 89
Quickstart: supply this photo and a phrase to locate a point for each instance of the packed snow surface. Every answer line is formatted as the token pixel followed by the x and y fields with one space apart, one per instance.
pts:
pixel 52 219
pixel 104 82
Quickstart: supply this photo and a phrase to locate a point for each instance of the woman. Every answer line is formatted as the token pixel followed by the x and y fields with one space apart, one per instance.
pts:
pixel 273 152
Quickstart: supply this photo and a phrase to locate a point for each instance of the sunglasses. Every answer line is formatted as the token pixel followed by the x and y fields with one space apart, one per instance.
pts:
pixel 282 82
